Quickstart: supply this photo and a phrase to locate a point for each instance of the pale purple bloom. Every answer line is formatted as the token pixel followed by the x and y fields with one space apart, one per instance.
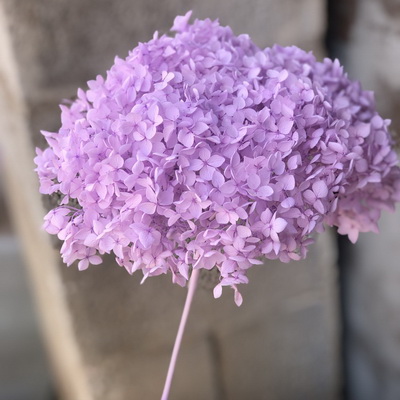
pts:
pixel 203 151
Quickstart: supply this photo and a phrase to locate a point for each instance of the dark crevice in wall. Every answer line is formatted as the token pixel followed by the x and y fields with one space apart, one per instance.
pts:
pixel 340 16
pixel 217 370
pixel 344 248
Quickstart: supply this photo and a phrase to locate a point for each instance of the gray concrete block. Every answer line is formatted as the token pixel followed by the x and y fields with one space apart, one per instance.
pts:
pixel 61 44
pixel 281 342
pixel 374 321
pixel 372 53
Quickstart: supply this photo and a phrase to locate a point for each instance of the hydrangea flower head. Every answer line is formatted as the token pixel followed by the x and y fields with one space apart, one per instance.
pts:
pixel 202 151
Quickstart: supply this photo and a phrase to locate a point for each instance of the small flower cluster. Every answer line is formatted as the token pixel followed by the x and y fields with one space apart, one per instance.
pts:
pixel 204 151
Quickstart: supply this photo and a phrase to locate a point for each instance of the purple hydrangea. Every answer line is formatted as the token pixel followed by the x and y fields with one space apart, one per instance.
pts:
pixel 203 151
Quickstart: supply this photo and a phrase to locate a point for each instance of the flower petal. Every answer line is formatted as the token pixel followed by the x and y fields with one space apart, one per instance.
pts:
pixel 147 208
pixel 285 125
pixel 215 160
pixel 279 225
pixel 320 189
pixel 243 231
pixel 217 292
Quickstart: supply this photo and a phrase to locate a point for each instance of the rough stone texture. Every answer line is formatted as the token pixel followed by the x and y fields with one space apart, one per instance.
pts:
pixel 282 343
pixel 371 53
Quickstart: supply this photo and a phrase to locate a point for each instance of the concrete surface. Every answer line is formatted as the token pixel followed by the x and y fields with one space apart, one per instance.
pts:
pixel 24 373
pixel 370 50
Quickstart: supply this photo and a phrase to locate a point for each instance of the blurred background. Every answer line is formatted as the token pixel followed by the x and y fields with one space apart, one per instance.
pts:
pixel 324 328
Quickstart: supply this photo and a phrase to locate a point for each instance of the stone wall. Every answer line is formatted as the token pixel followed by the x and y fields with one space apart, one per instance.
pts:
pixel 109 337
pixel 370 50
